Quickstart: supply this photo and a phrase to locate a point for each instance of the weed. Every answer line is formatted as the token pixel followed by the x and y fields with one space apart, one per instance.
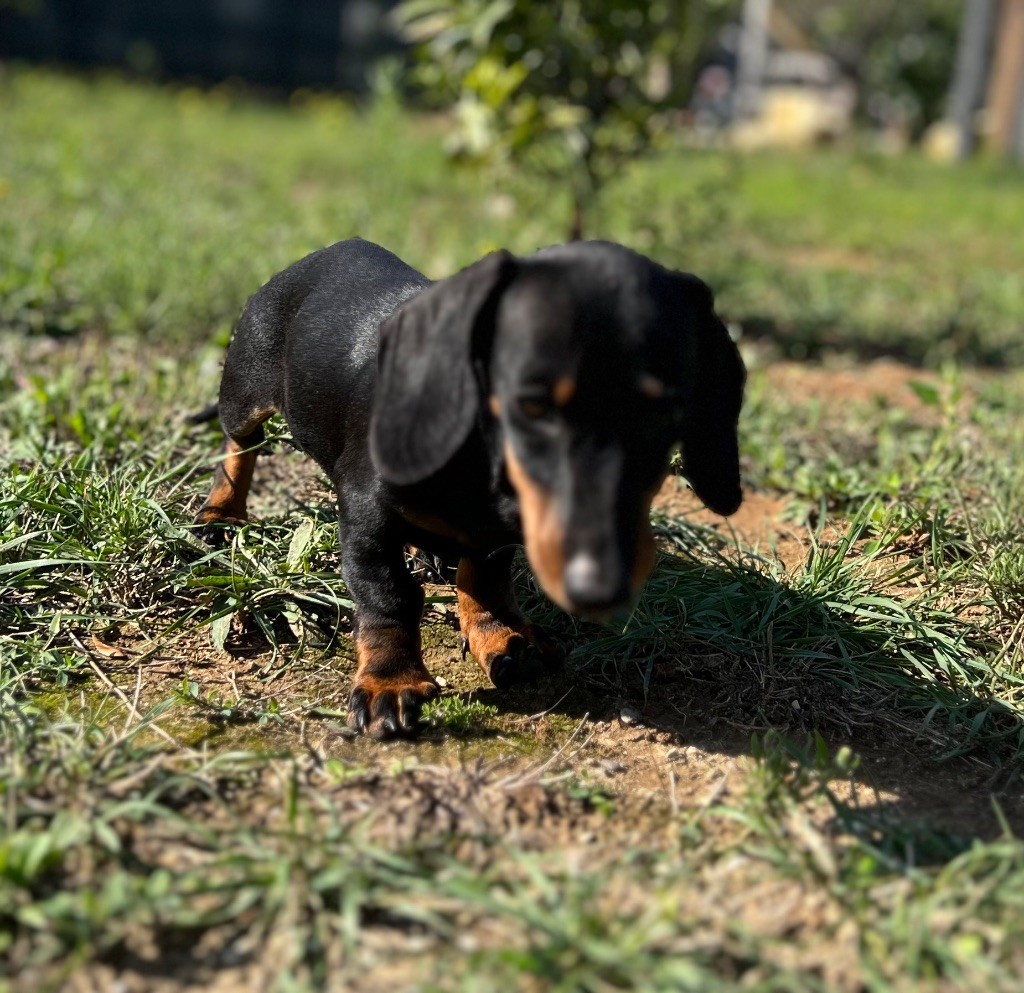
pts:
pixel 459 715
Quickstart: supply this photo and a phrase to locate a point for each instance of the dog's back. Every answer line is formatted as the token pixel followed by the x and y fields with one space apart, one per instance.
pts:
pixel 308 338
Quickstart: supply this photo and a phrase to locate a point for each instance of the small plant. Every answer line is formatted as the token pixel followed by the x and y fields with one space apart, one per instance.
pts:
pixel 1005 577
pixel 571 91
pixel 458 715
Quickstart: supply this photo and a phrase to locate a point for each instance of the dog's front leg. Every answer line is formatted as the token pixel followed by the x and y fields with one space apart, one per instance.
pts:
pixel 391 683
pixel 507 646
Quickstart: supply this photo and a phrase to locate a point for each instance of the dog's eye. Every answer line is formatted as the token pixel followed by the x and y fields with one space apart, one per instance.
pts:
pixel 651 386
pixel 665 401
pixel 536 408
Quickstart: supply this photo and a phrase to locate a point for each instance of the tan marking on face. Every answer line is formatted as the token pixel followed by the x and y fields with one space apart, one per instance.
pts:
pixel 495 404
pixel 651 386
pixel 231 482
pixel 543 533
pixel 563 390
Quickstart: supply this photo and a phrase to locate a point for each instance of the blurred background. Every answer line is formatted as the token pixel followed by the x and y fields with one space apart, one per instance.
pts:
pixel 845 173
pixel 802 70
pixel 325 43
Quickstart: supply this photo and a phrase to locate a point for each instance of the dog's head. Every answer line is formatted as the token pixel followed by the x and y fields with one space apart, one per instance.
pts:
pixel 596 363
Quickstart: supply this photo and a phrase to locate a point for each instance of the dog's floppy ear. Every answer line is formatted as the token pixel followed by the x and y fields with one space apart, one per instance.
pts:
pixel 713 377
pixel 427 394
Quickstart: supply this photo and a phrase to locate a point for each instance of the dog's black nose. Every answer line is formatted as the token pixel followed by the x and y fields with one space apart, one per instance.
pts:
pixel 593 589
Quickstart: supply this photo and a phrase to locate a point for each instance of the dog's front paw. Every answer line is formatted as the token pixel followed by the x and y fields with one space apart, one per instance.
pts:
pixel 508 656
pixel 389 708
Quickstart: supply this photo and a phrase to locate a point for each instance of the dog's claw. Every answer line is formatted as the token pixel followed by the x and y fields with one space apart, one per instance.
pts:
pixel 358 710
pixel 409 710
pixel 216 529
pixel 388 708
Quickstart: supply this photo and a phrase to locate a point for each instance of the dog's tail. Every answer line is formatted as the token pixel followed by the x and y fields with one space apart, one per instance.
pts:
pixel 205 415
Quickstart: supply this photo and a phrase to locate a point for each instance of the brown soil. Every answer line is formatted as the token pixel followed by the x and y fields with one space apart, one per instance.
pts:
pixel 882 383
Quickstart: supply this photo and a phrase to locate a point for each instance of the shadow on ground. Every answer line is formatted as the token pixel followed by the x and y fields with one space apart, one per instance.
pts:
pixel 672 690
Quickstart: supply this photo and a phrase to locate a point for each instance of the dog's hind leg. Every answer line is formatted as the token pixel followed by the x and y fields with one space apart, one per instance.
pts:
pixel 250 392
pixel 233 476
pixel 242 418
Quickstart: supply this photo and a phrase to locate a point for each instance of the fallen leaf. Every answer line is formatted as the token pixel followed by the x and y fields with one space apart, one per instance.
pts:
pixel 109 651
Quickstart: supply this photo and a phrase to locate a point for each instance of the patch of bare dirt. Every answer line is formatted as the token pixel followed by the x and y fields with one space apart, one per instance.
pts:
pixel 683 749
pixel 591 796
pixel 883 383
pixel 693 739
pixel 563 773
pixel 760 524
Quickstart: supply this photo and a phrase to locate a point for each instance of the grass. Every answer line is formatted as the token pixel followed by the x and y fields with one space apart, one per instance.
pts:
pixel 785 772
pixel 98 230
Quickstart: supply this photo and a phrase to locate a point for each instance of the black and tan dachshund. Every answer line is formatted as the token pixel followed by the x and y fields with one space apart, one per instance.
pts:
pixel 531 401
